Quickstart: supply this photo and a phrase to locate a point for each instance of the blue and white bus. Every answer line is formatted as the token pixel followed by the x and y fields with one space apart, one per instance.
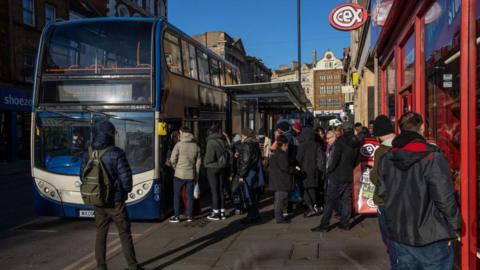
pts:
pixel 144 75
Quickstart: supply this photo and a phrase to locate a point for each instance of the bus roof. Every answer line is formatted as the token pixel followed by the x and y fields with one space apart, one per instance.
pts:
pixel 148 19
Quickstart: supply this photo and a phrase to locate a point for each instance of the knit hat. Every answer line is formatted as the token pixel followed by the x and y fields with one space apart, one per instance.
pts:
pixel 283 126
pixel 248 132
pixel 282 139
pixel 382 126
pixel 297 127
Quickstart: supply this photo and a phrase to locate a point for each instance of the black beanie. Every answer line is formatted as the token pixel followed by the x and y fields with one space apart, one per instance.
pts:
pixel 382 126
pixel 283 126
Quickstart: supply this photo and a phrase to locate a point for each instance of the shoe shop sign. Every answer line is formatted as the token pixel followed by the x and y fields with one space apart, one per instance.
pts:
pixel 347 17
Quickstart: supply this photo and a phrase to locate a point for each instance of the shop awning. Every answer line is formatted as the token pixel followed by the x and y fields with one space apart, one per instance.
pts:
pixel 271 95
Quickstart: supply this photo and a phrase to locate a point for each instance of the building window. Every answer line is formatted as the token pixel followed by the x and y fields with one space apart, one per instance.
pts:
pixel 28 12
pixel 122 11
pixel 49 14
pixel 28 63
pixel 172 53
pixel 203 71
pixel 215 72
pixel 409 61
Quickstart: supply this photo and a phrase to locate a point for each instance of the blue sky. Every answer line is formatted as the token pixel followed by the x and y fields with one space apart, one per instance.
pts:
pixel 268 28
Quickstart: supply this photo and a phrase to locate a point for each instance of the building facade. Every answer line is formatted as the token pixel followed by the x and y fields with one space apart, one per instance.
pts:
pixel 252 69
pixel 327 85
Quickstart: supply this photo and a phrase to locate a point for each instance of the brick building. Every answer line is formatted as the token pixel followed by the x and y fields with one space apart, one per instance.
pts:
pixel 327 85
pixel 252 69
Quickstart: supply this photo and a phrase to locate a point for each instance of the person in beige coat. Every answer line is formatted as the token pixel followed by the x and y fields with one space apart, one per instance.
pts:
pixel 186 161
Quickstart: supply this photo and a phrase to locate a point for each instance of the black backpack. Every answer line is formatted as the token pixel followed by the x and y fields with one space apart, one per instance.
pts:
pixel 225 160
pixel 96 187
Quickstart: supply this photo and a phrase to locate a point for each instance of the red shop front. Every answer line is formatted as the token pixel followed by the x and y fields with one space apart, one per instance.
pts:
pixel 427 55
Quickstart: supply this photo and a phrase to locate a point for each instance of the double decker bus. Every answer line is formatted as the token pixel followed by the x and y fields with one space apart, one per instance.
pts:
pixel 146 77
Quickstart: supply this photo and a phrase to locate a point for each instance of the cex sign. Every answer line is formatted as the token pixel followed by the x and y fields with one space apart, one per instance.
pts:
pixel 348 16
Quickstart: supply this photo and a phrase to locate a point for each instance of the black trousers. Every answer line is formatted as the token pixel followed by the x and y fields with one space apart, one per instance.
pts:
pixel 280 202
pixel 215 179
pixel 310 196
pixel 103 217
pixel 337 194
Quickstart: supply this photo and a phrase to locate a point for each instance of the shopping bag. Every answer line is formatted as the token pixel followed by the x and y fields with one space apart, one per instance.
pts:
pixel 196 191
pixel 295 195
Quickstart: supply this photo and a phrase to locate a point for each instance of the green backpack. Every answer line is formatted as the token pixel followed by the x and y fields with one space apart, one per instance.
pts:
pixel 96 188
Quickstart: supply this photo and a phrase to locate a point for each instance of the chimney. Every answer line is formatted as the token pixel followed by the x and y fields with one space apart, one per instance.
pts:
pixel 314 57
pixel 294 65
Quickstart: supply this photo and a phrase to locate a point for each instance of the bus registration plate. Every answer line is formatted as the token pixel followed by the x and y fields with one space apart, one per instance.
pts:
pixel 86 213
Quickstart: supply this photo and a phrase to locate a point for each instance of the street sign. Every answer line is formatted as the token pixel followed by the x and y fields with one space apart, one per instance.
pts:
pixel 348 16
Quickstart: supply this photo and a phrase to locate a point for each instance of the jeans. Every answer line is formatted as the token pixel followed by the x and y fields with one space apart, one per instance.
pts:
pixel 250 194
pixel 215 179
pixel 177 186
pixel 436 256
pixel 281 199
pixel 338 194
pixel 103 217
pixel 387 240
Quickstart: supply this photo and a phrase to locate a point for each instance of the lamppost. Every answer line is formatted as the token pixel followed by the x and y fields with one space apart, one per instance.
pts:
pixel 299 68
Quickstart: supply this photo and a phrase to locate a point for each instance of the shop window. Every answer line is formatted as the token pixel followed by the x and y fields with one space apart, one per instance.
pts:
pixel 189 60
pixel 49 14
pixel 203 71
pixel 442 74
pixel 28 12
pixel 408 51
pixel 171 49
pixel 390 89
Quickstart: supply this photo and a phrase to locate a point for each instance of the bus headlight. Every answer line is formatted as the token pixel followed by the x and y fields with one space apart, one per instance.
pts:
pixel 77 184
pixel 139 192
pixel 132 196
pixel 146 186
pixel 46 190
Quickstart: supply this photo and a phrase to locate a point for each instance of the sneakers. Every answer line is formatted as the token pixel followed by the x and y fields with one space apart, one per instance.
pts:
pixel 223 216
pixel 189 219
pixel 174 219
pixel 214 216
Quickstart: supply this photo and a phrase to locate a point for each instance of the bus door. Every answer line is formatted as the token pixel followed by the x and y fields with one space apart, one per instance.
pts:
pixel 167 172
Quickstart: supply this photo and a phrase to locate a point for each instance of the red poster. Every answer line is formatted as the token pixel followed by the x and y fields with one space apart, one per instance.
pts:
pixel 363 188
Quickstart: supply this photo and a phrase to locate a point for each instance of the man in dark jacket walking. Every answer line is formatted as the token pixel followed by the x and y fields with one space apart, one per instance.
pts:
pixel 120 174
pixel 248 172
pixel 341 159
pixel 216 146
pixel 421 212
pixel 307 155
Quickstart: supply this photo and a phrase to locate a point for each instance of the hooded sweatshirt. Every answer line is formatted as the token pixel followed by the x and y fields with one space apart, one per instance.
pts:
pixel 186 158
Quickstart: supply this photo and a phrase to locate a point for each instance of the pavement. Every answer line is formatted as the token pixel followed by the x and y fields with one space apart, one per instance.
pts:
pixel 229 244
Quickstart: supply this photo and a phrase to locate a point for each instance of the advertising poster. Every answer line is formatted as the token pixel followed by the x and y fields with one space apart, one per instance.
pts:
pixel 363 188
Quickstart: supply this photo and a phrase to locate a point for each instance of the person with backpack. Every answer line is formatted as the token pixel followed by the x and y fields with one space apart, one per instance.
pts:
pixel 186 161
pixel 421 211
pixel 248 160
pixel 105 169
pixel 216 160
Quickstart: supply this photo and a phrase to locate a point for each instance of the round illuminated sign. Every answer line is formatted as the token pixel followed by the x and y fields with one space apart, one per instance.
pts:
pixel 349 16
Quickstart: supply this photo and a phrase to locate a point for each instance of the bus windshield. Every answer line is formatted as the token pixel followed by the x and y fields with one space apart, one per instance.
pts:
pixel 106 47
pixel 62 139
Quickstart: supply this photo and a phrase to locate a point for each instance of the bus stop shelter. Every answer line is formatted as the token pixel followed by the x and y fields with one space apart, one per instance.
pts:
pixel 261 104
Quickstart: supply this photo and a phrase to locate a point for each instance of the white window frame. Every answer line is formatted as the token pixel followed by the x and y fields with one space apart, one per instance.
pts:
pixel 32 11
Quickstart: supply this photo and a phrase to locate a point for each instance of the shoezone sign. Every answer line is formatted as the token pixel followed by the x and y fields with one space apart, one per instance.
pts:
pixel 348 16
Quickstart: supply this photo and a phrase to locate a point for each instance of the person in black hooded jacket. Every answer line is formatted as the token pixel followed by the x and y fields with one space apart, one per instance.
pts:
pixel 120 174
pixel 308 154
pixel 421 212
